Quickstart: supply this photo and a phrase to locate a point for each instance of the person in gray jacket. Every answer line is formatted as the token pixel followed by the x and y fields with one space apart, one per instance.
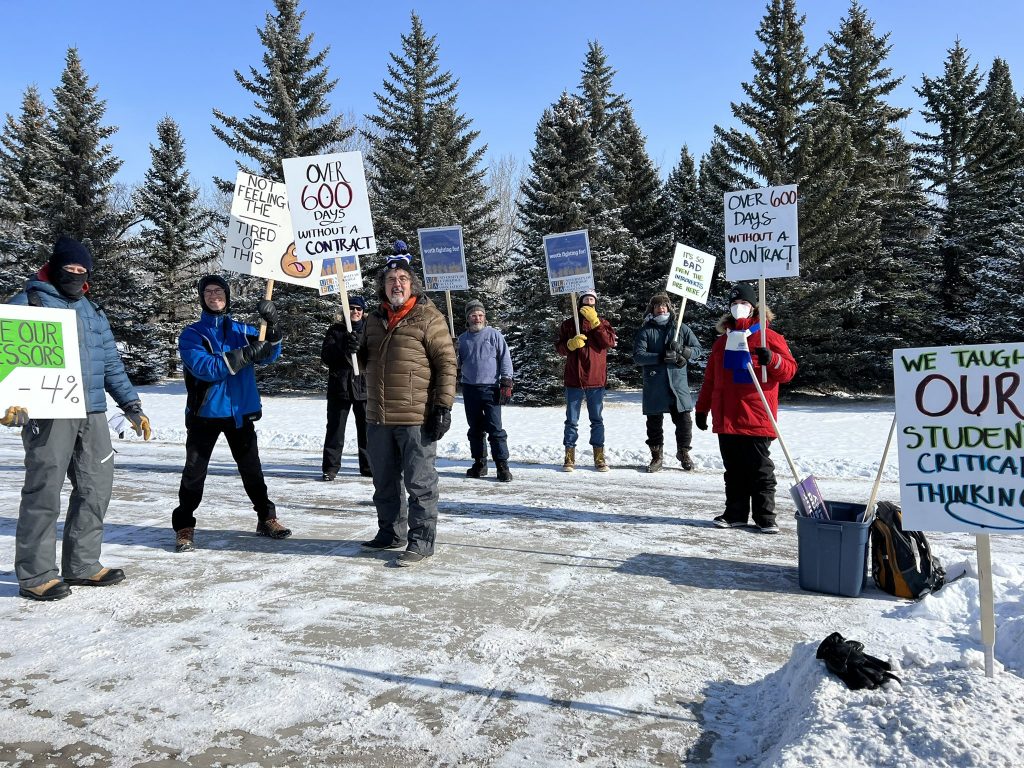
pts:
pixel 78 449
pixel 486 386
pixel 662 356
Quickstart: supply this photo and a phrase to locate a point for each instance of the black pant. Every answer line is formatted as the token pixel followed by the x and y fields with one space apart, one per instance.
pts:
pixel 202 437
pixel 334 440
pixel 749 478
pixel 682 422
pixel 483 413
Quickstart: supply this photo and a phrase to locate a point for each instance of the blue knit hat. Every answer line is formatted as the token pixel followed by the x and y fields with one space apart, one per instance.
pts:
pixel 357 301
pixel 66 251
pixel 400 247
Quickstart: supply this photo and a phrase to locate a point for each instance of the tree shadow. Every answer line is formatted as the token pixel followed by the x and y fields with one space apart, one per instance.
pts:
pixel 715 573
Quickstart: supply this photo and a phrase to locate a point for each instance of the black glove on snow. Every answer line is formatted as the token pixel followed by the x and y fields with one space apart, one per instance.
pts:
pixel 268 311
pixel 256 352
pixel 504 391
pixel 846 659
pixel 438 423
pixel 763 355
pixel 701 420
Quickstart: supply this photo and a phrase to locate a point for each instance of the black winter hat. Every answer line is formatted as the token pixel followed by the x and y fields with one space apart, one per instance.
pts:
pixel 66 251
pixel 214 280
pixel 743 292
pixel 473 305
pixel 357 301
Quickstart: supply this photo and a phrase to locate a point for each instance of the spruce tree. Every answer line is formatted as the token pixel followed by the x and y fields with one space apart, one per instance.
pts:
pixel 424 168
pixel 26 190
pixel 172 242
pixel 681 201
pixel 960 166
pixel 293 118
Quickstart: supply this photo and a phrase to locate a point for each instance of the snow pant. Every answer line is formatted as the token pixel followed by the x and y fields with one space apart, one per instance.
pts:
pixel 749 479
pixel 683 424
pixel 403 453
pixel 483 412
pixel 574 398
pixel 334 440
pixel 80 450
pixel 202 437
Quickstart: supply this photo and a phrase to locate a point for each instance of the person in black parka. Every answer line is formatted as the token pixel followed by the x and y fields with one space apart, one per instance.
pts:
pixel 345 392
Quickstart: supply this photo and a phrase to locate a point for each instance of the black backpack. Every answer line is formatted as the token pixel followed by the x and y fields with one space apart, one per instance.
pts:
pixel 902 563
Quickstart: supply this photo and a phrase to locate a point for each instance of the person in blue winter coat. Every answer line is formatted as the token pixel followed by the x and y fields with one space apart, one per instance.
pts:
pixel 486 378
pixel 663 357
pixel 218 355
pixel 78 449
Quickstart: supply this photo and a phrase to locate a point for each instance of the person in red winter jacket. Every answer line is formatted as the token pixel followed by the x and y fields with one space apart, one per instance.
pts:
pixel 738 416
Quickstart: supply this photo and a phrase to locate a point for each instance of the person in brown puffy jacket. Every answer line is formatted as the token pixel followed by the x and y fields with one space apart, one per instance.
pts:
pixel 409 361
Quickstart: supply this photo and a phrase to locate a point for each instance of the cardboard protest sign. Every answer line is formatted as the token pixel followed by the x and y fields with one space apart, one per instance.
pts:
pixel 444 259
pixel 337 271
pixel 39 365
pixel 960 412
pixel 690 274
pixel 761 236
pixel 568 261
pixel 329 206
pixel 259 238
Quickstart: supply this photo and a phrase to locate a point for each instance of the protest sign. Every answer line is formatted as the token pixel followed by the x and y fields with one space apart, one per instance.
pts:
pixel 761 237
pixel 690 274
pixel 568 261
pixel 444 259
pixel 259 238
pixel 961 437
pixel 39 365
pixel 332 271
pixel 329 205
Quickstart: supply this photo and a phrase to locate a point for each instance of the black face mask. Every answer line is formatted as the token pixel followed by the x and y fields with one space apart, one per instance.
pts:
pixel 71 284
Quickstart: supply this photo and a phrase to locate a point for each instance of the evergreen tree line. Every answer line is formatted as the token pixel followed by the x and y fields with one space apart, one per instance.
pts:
pixel 904 240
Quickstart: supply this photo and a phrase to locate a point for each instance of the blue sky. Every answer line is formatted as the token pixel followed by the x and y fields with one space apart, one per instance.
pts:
pixel 680 63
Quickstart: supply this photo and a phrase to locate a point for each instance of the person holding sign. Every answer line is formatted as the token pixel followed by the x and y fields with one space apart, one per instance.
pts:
pixel 486 367
pixel 78 449
pixel 586 372
pixel 662 356
pixel 346 391
pixel 218 355
pixel 744 430
pixel 410 376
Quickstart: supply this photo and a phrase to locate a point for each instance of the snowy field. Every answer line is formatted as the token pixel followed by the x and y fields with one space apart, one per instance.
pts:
pixel 566 620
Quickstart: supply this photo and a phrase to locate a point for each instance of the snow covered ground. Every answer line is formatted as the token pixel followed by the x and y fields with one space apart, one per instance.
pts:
pixel 586 619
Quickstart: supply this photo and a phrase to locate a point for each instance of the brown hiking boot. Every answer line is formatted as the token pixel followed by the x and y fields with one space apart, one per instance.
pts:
pixel 599 462
pixel 185 540
pixel 273 529
pixel 569 464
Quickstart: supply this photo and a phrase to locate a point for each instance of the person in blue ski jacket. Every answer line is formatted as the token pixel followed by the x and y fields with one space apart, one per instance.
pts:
pixel 77 449
pixel 218 355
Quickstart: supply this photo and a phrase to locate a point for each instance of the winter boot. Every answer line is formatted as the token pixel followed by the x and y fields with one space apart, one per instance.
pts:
pixel 599 462
pixel 684 459
pixel 504 476
pixel 656 456
pixel 185 540
pixel 272 529
pixel 479 468
pixel 570 459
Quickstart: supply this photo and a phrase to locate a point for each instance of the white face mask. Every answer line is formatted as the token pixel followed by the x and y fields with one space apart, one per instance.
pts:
pixel 740 311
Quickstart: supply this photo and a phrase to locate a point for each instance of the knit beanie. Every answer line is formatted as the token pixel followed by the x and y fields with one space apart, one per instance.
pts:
pixel 66 251
pixel 743 292
pixel 214 280
pixel 473 305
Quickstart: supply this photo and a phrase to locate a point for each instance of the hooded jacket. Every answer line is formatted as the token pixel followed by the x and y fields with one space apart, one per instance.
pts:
pixel 102 368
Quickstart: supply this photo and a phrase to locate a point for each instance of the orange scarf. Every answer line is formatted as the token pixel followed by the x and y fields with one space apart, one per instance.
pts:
pixel 395 315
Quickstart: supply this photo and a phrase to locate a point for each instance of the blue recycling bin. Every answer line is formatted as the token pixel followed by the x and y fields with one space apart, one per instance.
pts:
pixel 832 555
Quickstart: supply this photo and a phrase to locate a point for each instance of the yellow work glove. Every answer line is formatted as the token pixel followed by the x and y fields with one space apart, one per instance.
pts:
pixel 16 416
pixel 576 342
pixel 140 422
pixel 590 315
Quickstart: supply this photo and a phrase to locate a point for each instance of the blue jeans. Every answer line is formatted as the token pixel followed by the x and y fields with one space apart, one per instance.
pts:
pixel 573 404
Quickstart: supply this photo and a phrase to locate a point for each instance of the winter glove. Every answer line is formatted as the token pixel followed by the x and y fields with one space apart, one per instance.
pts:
pixel 576 342
pixel 350 343
pixel 139 420
pixel 763 355
pixel 590 315
pixel 256 352
pixel 682 355
pixel 846 659
pixel 267 310
pixel 701 420
pixel 16 416
pixel 504 391
pixel 672 345
pixel 438 423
